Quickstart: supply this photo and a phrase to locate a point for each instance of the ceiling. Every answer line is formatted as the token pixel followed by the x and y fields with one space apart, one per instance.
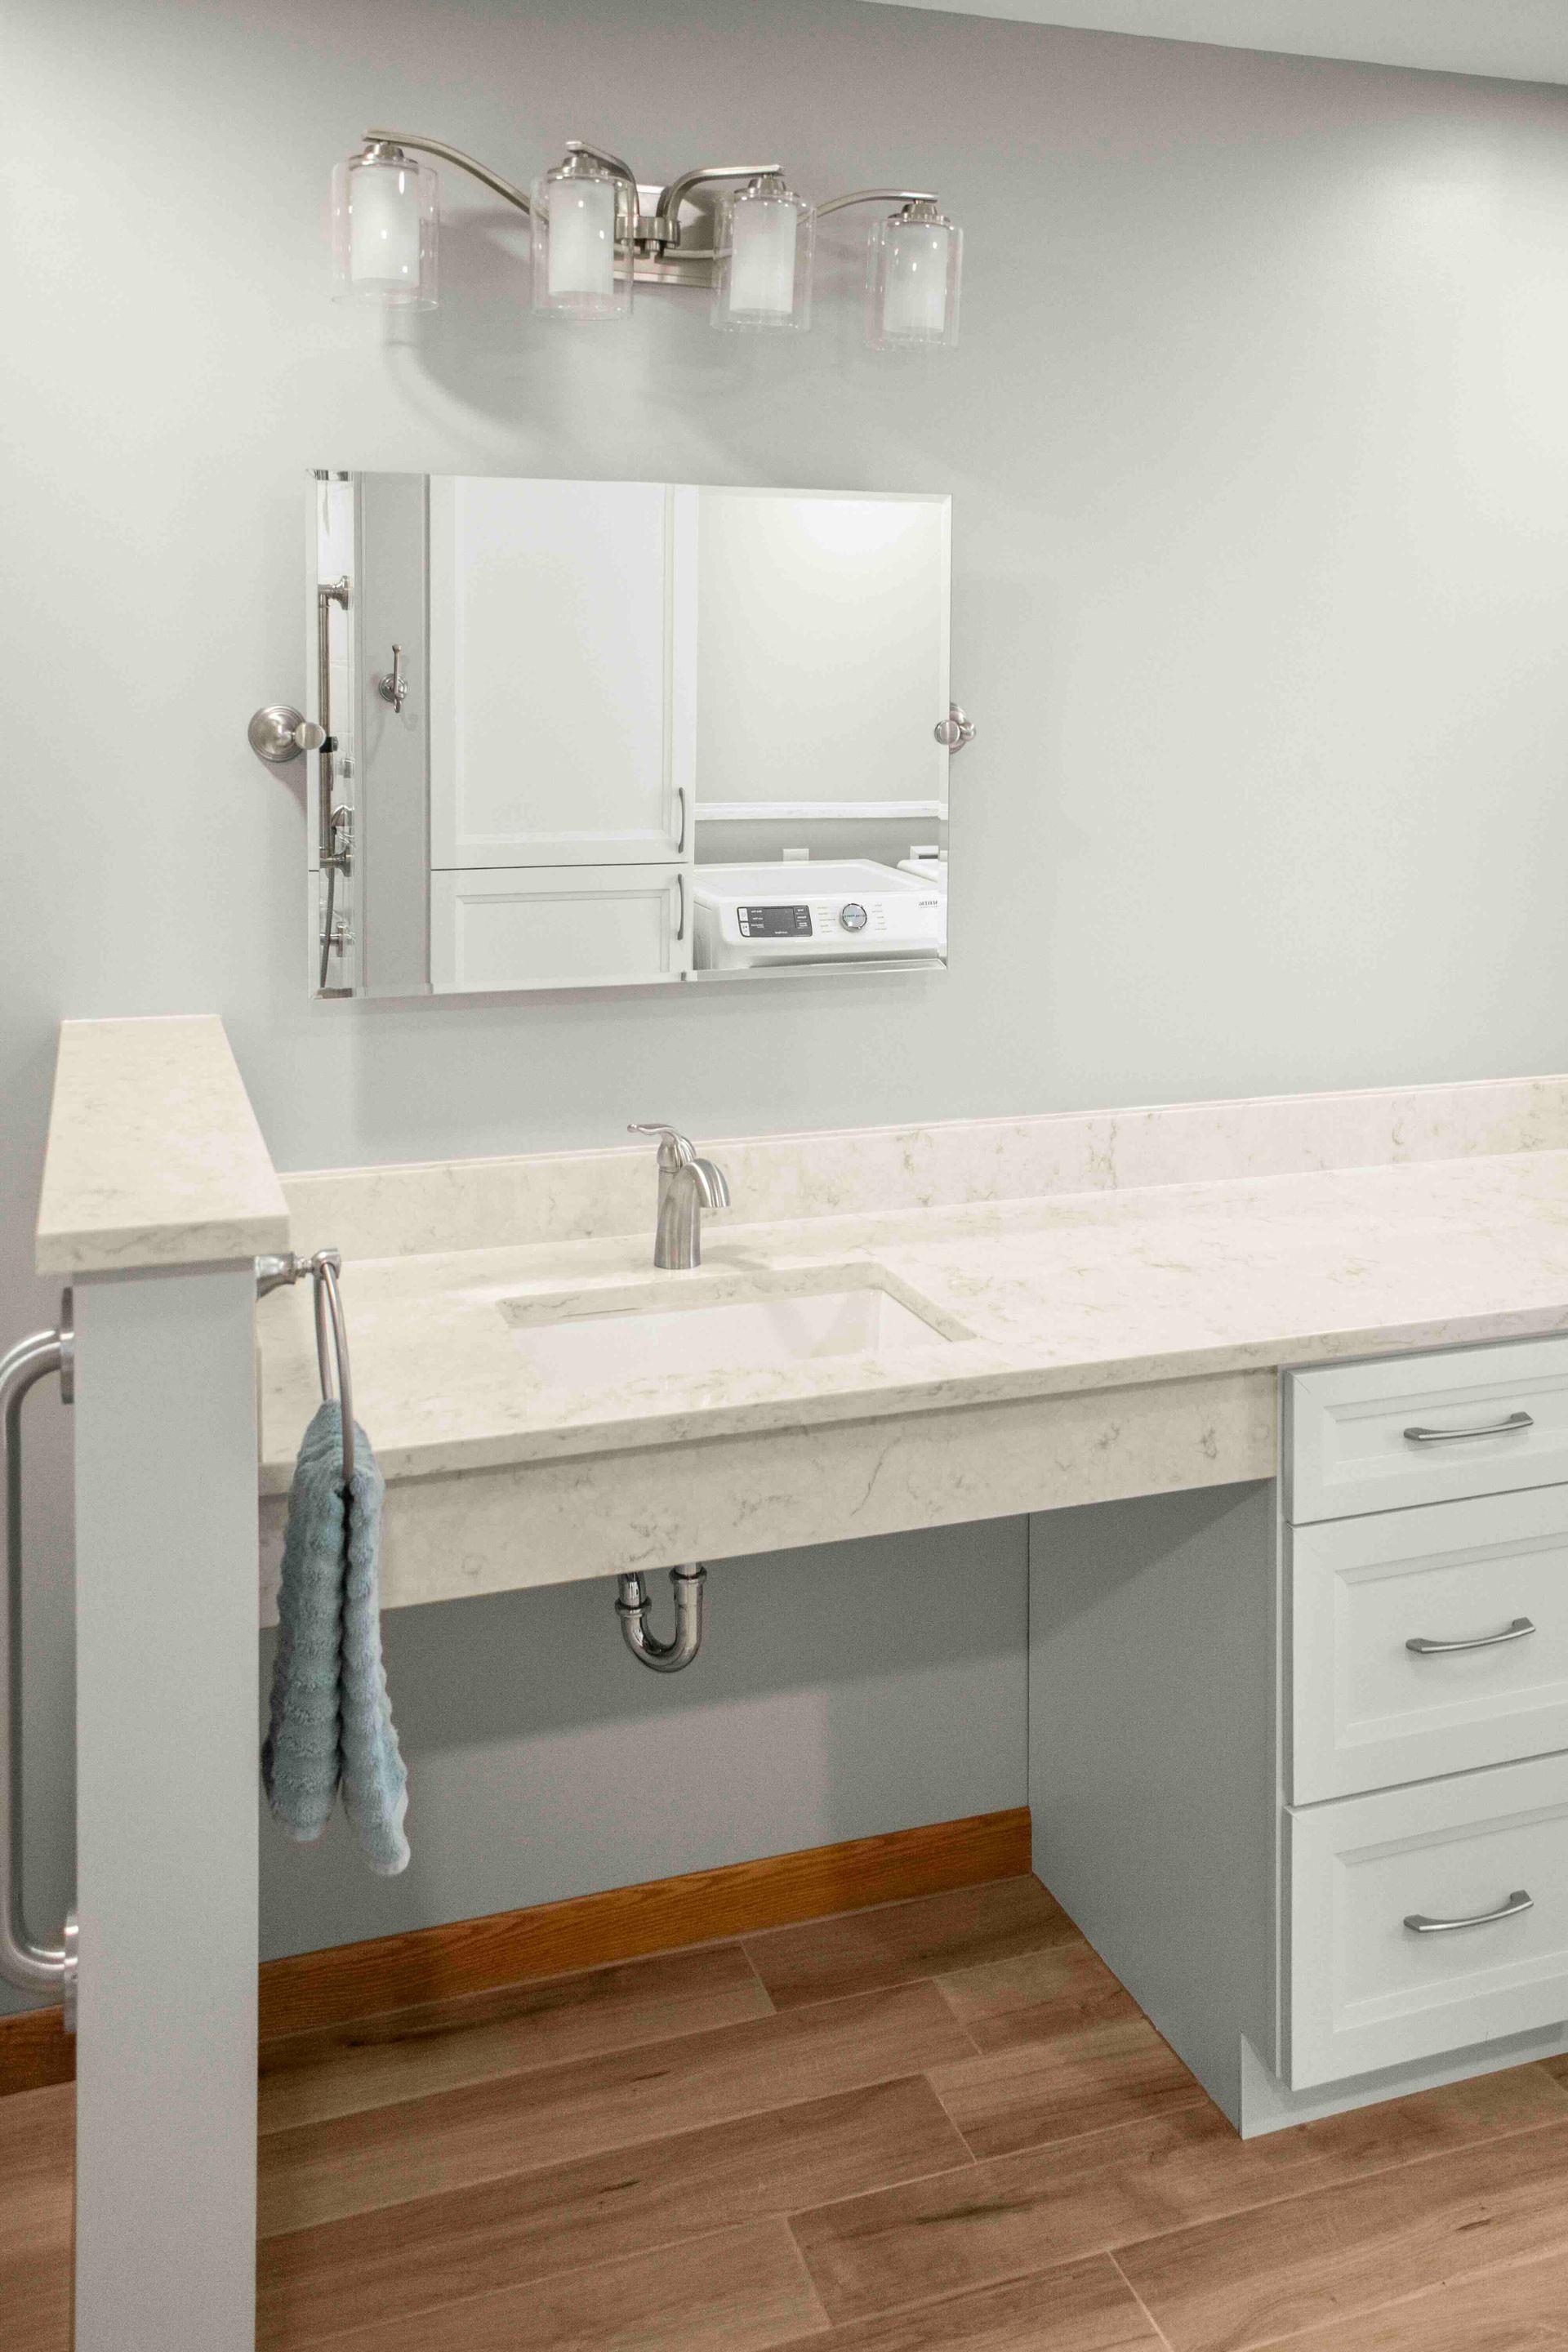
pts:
pixel 1518 40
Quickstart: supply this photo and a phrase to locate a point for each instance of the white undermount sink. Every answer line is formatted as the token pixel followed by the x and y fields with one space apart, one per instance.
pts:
pixel 593 1344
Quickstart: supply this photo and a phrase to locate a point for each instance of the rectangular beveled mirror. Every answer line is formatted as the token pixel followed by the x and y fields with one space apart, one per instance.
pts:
pixel 612 734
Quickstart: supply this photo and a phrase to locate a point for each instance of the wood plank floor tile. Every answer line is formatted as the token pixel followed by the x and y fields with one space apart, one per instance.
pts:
pixel 37 2141
pixel 1109 2072
pixel 1085 2307
pixel 894 1943
pixel 335 2070
pixel 1522 2309
pixel 36 2144
pixel 389 2264
pixel 741 2291
pixel 1277 2271
pixel 318 2172
pixel 955 2133
pixel 1017 2213
pixel 35 2300
pixel 1036 1996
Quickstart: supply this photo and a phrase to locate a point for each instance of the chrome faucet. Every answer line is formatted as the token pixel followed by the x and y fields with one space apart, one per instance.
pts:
pixel 687 1185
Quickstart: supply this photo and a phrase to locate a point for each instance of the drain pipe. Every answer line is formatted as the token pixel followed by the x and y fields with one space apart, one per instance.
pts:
pixel 632 1609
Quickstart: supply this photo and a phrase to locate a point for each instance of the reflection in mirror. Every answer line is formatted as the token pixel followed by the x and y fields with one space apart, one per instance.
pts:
pixel 591 734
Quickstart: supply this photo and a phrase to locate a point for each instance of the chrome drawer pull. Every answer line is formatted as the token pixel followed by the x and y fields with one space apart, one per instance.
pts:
pixel 1518 1904
pixel 1515 1422
pixel 1514 1632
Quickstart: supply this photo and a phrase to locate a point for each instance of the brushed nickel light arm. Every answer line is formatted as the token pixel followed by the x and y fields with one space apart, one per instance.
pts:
pixel 392 142
pixel 666 225
pixel 877 197
pixel 666 228
pixel 622 170
pixel 655 230
pixel 628 206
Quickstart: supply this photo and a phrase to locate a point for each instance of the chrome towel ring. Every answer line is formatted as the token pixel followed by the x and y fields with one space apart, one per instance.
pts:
pixel 325 1268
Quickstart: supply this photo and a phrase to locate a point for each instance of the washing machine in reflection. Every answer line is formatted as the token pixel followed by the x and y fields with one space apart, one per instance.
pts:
pixel 788 912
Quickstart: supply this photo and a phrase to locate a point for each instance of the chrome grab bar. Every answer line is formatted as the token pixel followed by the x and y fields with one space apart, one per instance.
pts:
pixel 329 593
pixel 31 1966
pixel 334 824
pixel 1516 1631
pixel 1516 1423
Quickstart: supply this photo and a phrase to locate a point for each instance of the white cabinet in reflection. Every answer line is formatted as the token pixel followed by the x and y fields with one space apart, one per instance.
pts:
pixel 565 711
pixel 558 733
pixel 822 664
pixel 559 927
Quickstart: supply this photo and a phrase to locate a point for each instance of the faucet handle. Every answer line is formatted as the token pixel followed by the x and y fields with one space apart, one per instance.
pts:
pixel 680 1150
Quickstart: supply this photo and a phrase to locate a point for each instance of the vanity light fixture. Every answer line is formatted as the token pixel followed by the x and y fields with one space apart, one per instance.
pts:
pixel 738 229
pixel 582 252
pixel 914 263
pixel 384 228
pixel 765 241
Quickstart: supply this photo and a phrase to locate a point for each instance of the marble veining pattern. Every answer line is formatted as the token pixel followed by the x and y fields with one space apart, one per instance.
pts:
pixel 1062 1295
pixel 577 1195
pixel 555 1522
pixel 154 1155
pixel 1095 1304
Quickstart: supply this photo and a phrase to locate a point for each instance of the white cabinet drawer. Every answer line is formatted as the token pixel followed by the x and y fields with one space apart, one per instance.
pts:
pixel 1490 1419
pixel 1365 1988
pixel 1367 1710
pixel 559 926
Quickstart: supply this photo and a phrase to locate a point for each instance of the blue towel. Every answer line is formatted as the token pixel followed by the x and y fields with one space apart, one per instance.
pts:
pixel 330 1719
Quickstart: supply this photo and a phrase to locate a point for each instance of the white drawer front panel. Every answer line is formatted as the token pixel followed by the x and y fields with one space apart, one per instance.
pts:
pixel 1365 1990
pixel 1495 1419
pixel 1367 1711
pixel 559 927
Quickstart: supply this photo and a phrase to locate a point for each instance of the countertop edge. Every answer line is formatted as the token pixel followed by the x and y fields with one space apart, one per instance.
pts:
pixel 160 1104
pixel 139 1249
pixel 784 1417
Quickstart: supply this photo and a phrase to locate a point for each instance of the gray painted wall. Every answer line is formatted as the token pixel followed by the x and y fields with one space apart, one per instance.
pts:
pixel 1256 442
pixel 843 1690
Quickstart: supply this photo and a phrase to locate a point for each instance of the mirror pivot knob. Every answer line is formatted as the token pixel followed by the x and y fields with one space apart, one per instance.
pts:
pixel 278 733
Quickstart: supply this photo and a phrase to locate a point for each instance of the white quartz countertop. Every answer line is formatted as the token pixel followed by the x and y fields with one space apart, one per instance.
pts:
pixel 1072 1292
pixel 154 1155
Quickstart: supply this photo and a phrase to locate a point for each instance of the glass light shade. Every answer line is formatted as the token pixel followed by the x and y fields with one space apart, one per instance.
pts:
pixel 766 236
pixel 582 268
pixel 383 230
pixel 914 268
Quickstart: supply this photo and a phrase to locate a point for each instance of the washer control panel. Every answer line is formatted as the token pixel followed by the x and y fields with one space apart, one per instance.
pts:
pixel 774 922
pixel 794 912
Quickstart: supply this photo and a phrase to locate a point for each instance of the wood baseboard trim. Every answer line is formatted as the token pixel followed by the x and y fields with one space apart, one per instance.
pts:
pixel 333 1986
pixel 35 2051
pixel 353 1980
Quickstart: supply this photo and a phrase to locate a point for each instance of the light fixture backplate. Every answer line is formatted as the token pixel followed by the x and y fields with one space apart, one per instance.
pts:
pixel 692 263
